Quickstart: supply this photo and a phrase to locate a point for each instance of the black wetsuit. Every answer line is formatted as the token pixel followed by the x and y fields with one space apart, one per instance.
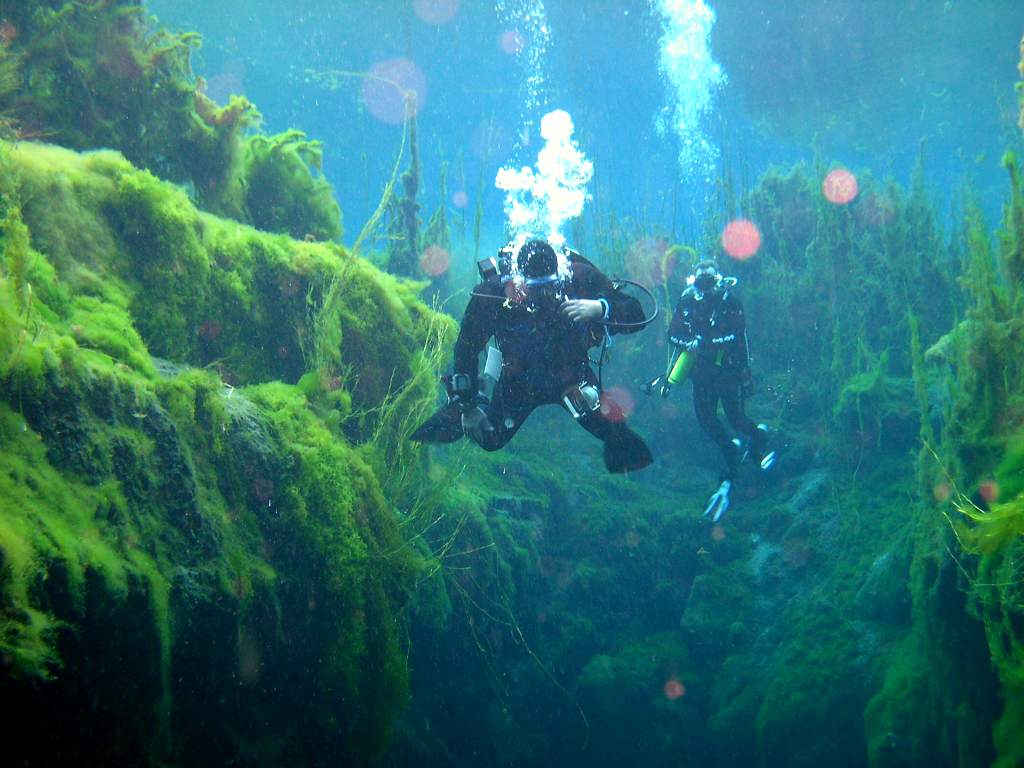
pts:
pixel 544 355
pixel 716 321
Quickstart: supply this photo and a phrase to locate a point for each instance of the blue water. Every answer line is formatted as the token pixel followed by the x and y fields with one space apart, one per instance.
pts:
pixel 862 83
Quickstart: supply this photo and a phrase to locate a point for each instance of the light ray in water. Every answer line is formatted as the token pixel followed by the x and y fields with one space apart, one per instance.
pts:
pixel 692 78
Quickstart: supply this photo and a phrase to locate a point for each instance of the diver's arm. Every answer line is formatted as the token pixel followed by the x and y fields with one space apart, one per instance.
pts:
pixel 681 332
pixel 622 312
pixel 477 327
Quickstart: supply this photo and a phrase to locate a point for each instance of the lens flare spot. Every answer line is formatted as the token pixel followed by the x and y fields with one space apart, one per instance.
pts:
pixel 649 260
pixel 617 404
pixel 436 11
pixel 840 186
pixel 669 411
pixel 718 533
pixel 673 689
pixel 222 87
pixel 741 239
pixel 512 41
pixel 390 85
pixel 941 492
pixel 460 199
pixel 8 33
pixel 989 491
pixel 250 662
pixel 209 330
pixel 491 139
pixel 435 260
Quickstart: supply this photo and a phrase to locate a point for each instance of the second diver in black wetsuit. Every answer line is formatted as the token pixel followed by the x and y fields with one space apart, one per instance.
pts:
pixel 544 322
pixel 708 335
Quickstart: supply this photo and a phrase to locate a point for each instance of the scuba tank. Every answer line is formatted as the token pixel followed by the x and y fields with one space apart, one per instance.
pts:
pixel 491 373
pixel 683 367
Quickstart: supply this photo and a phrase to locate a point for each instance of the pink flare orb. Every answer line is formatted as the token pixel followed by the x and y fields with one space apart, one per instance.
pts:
pixel 646 260
pixel 617 404
pixel 8 33
pixel 741 239
pixel 840 186
pixel 435 11
pixel 989 490
pixel 718 533
pixel 435 260
pixel 390 85
pixel 673 689
pixel 222 87
pixel 460 199
pixel 512 41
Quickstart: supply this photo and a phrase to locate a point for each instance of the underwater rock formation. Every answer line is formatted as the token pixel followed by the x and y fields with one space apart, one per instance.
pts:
pixel 201 560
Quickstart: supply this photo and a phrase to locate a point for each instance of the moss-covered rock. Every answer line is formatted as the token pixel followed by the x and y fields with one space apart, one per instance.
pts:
pixel 199 512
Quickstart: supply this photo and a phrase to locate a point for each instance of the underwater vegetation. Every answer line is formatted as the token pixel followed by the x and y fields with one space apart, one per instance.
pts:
pixel 217 545
pixel 183 497
pixel 95 75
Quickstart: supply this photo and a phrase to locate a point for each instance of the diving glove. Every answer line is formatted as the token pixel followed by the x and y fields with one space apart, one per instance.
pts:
pixel 719 502
pixel 476 425
pixel 660 385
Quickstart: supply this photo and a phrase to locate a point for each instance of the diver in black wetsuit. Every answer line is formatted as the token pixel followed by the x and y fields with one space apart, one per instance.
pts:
pixel 709 328
pixel 543 322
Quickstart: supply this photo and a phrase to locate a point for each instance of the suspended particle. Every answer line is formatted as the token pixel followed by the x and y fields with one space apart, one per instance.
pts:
pixel 460 199
pixel 435 260
pixel 391 86
pixel 941 492
pixel 840 186
pixel 435 11
pixel 741 239
pixel 718 533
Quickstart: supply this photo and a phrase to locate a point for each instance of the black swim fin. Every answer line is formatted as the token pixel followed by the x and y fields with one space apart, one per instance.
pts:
pixel 445 426
pixel 626 452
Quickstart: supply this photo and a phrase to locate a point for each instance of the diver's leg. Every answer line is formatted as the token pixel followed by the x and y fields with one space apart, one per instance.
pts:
pixel 731 392
pixel 705 407
pixel 507 412
pixel 624 449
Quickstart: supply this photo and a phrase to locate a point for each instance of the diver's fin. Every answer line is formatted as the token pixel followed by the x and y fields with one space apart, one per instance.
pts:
pixel 719 502
pixel 445 426
pixel 626 452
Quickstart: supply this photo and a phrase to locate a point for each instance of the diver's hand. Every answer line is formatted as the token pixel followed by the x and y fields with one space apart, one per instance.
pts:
pixel 476 424
pixel 659 385
pixel 583 310
pixel 693 346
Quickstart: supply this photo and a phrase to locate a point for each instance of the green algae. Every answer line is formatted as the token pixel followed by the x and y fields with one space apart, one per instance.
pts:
pixel 171 465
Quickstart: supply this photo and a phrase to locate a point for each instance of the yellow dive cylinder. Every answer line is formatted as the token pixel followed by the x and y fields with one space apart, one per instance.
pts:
pixel 682 368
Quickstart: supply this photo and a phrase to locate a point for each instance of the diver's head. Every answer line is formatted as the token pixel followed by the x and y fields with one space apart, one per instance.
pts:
pixel 706 276
pixel 538 264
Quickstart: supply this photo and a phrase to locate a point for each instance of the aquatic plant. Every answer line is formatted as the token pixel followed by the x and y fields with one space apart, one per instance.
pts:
pixel 282 192
pixel 103 77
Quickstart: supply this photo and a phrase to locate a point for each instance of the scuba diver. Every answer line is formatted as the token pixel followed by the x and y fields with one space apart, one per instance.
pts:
pixel 545 310
pixel 708 341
